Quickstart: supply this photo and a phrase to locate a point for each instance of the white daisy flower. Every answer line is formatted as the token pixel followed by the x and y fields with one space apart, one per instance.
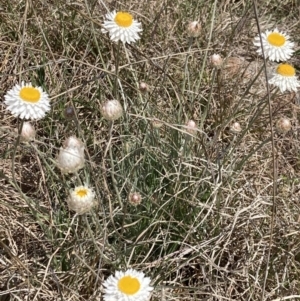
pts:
pixel 121 27
pixel 127 286
pixel 285 78
pixel 81 199
pixel 27 102
pixel 277 46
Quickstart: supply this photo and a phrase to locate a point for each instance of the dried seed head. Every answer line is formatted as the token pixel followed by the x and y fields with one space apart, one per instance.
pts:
pixel 283 125
pixel 194 29
pixel 235 128
pixel 216 61
pixel 134 198
pixel 28 132
pixel 111 110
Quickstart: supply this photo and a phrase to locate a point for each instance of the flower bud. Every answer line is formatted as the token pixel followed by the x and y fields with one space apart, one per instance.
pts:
pixel 283 125
pixel 71 157
pixel 143 87
pixel 28 132
pixel 191 127
pixel 69 113
pixel 216 61
pixel 194 29
pixel 111 110
pixel 235 128
pixel 134 198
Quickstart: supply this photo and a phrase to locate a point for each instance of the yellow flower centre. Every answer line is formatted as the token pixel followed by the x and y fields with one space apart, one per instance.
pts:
pixel 129 285
pixel 82 192
pixel 30 94
pixel 276 39
pixel 124 19
pixel 286 70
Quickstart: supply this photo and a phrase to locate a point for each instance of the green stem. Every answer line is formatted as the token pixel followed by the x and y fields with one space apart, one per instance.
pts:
pixel 117 61
pixel 112 168
pixel 16 185
pixel 185 78
pixel 204 114
pixel 208 46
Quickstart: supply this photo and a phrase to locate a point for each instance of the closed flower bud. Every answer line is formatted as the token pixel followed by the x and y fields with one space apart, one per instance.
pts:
pixel 69 113
pixel 216 61
pixel 235 128
pixel 71 157
pixel 111 110
pixel 143 87
pixel 283 125
pixel 194 29
pixel 81 199
pixel 134 198
pixel 191 127
pixel 28 132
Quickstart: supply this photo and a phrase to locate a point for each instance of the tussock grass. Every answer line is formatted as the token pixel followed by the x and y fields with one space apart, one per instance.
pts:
pixel 203 228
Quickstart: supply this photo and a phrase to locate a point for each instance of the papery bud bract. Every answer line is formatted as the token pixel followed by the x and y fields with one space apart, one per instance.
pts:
pixel 134 198
pixel 283 125
pixel 194 29
pixel 191 127
pixel 111 110
pixel 143 87
pixel 235 128
pixel 73 142
pixel 69 113
pixel 216 61
pixel 28 132
pixel 71 157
